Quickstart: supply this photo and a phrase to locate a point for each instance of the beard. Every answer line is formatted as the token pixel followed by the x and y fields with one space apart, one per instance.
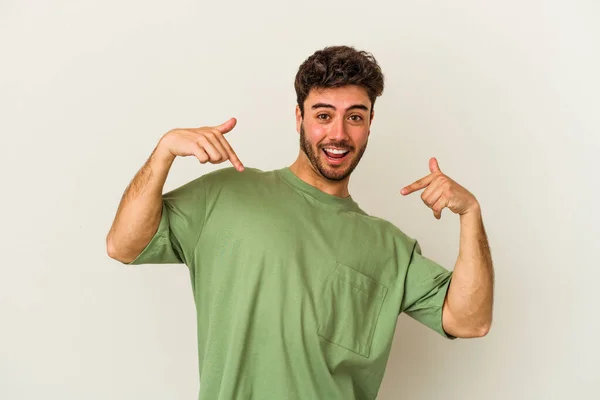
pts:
pixel 319 162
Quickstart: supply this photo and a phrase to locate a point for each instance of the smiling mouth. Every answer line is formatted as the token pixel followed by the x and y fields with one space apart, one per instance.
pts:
pixel 334 154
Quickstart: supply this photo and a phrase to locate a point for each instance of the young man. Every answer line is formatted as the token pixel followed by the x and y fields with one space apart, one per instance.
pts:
pixel 297 289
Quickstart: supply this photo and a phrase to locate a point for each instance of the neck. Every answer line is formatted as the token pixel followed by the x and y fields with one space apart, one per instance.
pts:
pixel 304 170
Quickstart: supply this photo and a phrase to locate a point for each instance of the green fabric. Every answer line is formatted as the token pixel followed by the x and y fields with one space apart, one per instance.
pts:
pixel 297 291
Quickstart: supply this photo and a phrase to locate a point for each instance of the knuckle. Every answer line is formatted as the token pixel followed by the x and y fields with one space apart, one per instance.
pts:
pixel 201 139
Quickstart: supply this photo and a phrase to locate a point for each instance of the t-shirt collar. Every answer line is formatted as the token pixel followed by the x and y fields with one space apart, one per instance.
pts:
pixel 290 177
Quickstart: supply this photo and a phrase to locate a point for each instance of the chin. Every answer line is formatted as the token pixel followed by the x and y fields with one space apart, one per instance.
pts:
pixel 334 172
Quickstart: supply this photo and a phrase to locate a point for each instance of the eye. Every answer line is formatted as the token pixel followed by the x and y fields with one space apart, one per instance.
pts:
pixel 322 117
pixel 356 118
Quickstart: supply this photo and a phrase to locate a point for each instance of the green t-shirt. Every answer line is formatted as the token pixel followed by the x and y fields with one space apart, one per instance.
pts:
pixel 297 291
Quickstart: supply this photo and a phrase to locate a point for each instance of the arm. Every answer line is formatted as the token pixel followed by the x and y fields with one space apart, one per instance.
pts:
pixel 140 208
pixel 468 306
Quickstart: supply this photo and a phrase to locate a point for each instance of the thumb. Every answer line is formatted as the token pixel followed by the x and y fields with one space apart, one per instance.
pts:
pixel 433 165
pixel 227 126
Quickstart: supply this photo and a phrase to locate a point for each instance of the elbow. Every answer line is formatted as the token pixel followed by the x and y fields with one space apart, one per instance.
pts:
pixel 483 330
pixel 110 247
pixel 473 332
pixel 466 327
pixel 470 332
pixel 113 251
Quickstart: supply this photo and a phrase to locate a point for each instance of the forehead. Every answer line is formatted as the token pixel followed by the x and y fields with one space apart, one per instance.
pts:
pixel 341 98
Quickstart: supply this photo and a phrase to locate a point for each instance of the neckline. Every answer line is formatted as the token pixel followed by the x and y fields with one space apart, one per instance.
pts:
pixel 290 177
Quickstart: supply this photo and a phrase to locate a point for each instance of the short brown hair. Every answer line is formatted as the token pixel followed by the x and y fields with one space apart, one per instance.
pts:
pixel 337 66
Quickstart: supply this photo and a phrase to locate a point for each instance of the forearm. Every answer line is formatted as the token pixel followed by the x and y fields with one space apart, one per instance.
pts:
pixel 469 301
pixel 139 211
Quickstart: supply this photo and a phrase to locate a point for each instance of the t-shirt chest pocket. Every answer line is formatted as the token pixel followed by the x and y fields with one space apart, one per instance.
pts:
pixel 349 309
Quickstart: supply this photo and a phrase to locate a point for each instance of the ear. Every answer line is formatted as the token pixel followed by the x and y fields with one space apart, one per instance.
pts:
pixel 298 119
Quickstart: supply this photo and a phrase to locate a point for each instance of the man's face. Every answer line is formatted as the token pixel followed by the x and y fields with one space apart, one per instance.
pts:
pixel 335 120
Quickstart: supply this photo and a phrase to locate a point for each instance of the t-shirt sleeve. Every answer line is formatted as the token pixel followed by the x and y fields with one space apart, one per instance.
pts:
pixel 181 222
pixel 425 287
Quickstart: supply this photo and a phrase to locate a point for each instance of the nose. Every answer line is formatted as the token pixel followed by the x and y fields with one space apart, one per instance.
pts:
pixel 339 131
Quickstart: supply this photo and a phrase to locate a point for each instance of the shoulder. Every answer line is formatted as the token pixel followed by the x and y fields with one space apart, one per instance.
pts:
pixel 226 177
pixel 384 228
pixel 230 174
pixel 217 180
pixel 230 181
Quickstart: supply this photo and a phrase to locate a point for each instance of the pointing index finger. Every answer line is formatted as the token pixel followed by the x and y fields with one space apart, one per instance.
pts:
pixel 417 185
pixel 232 155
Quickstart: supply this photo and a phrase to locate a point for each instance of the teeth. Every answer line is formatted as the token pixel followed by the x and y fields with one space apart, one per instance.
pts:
pixel 336 151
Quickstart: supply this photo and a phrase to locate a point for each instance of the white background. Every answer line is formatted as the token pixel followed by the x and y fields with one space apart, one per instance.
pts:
pixel 505 94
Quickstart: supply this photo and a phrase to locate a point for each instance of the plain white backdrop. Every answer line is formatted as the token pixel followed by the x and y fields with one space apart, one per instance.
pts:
pixel 505 94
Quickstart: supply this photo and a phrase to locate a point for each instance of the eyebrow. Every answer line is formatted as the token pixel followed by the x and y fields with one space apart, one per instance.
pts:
pixel 352 107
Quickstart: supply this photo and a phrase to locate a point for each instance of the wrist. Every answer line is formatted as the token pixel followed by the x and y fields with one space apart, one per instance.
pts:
pixel 474 209
pixel 162 154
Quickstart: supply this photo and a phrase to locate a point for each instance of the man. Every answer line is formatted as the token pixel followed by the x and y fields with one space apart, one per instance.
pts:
pixel 297 289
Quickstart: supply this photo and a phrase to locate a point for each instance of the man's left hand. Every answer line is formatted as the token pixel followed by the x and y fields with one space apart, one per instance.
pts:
pixel 442 192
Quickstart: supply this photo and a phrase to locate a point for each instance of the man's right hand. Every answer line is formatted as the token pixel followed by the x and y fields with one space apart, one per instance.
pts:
pixel 207 144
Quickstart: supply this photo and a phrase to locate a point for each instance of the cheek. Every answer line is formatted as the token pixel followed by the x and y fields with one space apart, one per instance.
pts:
pixel 315 132
pixel 359 135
